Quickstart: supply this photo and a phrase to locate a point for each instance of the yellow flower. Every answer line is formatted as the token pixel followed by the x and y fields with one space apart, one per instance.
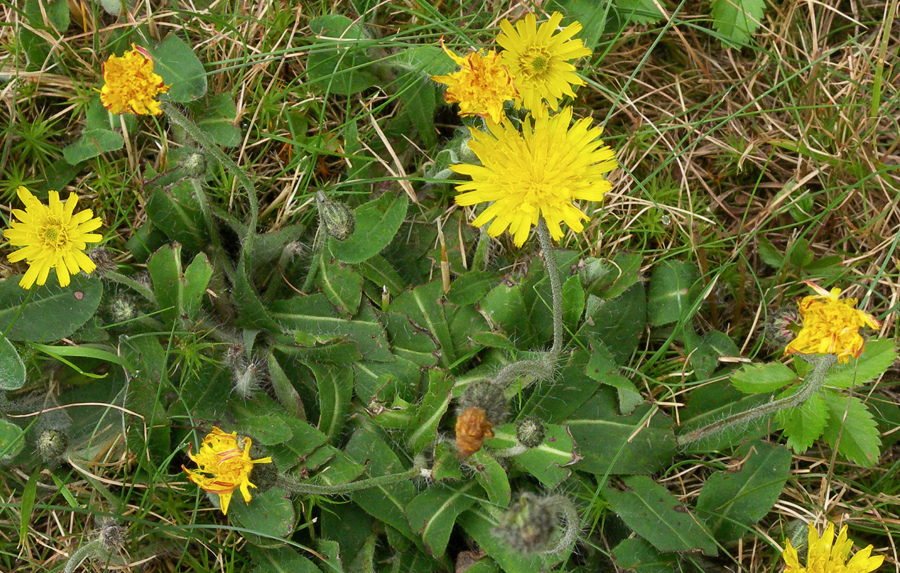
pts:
pixel 829 556
pixel 538 171
pixel 222 466
pixel 538 61
pixel 830 325
pixel 51 237
pixel 480 86
pixel 131 84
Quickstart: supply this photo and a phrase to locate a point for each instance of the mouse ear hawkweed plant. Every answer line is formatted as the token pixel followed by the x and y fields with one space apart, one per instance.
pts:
pixel 827 555
pixel 130 84
pixel 538 61
pixel 481 85
pixel 51 236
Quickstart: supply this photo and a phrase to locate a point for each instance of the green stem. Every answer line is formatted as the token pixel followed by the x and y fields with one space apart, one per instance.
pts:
pixel 89 549
pixel 318 246
pixel 178 118
pixel 555 286
pixel 340 489
pixel 810 386
pixel 219 258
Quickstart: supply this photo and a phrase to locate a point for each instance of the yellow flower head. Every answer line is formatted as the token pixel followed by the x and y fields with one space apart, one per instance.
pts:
pixel 222 466
pixel 480 86
pixel 131 84
pixel 537 171
pixel 829 556
pixel 538 60
pixel 52 236
pixel 830 325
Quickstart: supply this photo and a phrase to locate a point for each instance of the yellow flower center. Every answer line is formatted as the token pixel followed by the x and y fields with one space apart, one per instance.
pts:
pixel 54 235
pixel 535 62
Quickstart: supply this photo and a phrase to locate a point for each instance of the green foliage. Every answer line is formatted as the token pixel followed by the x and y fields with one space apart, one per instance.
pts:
pixel 737 20
pixel 12 369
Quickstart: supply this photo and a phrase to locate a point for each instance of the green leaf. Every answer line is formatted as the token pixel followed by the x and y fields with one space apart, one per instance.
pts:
pixel 56 11
pixel 670 297
pixel 338 61
pixel 572 302
pixel 217 119
pixel 553 403
pixel 268 515
pixel 768 253
pixel 377 222
pixel 733 501
pixel 165 271
pixel 429 413
pixel 386 503
pixel 341 284
pixel 280 560
pixel 12 369
pixel 12 440
pixel 602 368
pixel 609 443
pixel 177 214
pixel 737 20
pixel 590 13
pixel 446 463
pixel 471 287
pixel 657 516
pixel 762 378
pixel 424 320
pixel 618 323
pixel 712 346
pixel 504 306
pixel 803 425
pixel 26 508
pixel 196 279
pixel 149 434
pixel 285 392
pixel 551 462
pixel 54 312
pixel 636 554
pixel 492 477
pixel 609 278
pixel 175 61
pixel 314 315
pixel 335 384
pixel 639 11
pixel 860 441
pixel 419 102
pixel 251 311
pixel 433 513
pixel 878 355
pixel 93 143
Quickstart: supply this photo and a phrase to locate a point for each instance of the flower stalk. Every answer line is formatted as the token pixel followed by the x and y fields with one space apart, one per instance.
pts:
pixel 810 386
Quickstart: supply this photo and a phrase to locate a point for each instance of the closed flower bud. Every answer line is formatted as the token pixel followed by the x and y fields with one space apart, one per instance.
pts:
pixel 783 326
pixel 264 476
pixel 194 165
pixel 529 525
pixel 52 443
pixel 530 432
pixel 112 536
pixel 338 220
pixel 487 396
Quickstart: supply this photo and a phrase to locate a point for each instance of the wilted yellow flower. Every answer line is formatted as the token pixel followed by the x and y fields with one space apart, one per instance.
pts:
pixel 131 85
pixel 223 467
pixel 829 556
pixel 830 325
pixel 480 86
pixel 536 172
pixel 52 236
pixel 538 60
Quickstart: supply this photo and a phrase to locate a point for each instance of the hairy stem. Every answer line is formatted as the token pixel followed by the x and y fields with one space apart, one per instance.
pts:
pixel 340 489
pixel 813 382
pixel 89 549
pixel 555 286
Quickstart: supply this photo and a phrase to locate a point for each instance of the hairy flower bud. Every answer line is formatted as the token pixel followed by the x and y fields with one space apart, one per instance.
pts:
pixel 530 432
pixel 782 327
pixel 528 526
pixel 264 476
pixel 487 396
pixel 194 165
pixel 338 220
pixel 52 443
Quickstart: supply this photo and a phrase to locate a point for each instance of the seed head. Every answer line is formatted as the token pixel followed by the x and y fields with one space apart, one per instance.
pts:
pixel 528 526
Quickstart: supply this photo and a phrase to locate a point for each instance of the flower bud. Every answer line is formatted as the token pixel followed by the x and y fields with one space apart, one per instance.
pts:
pixel 264 476
pixel 194 165
pixel 338 220
pixel 529 525
pixel 783 326
pixel 487 396
pixel 52 443
pixel 530 432
pixel 112 536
